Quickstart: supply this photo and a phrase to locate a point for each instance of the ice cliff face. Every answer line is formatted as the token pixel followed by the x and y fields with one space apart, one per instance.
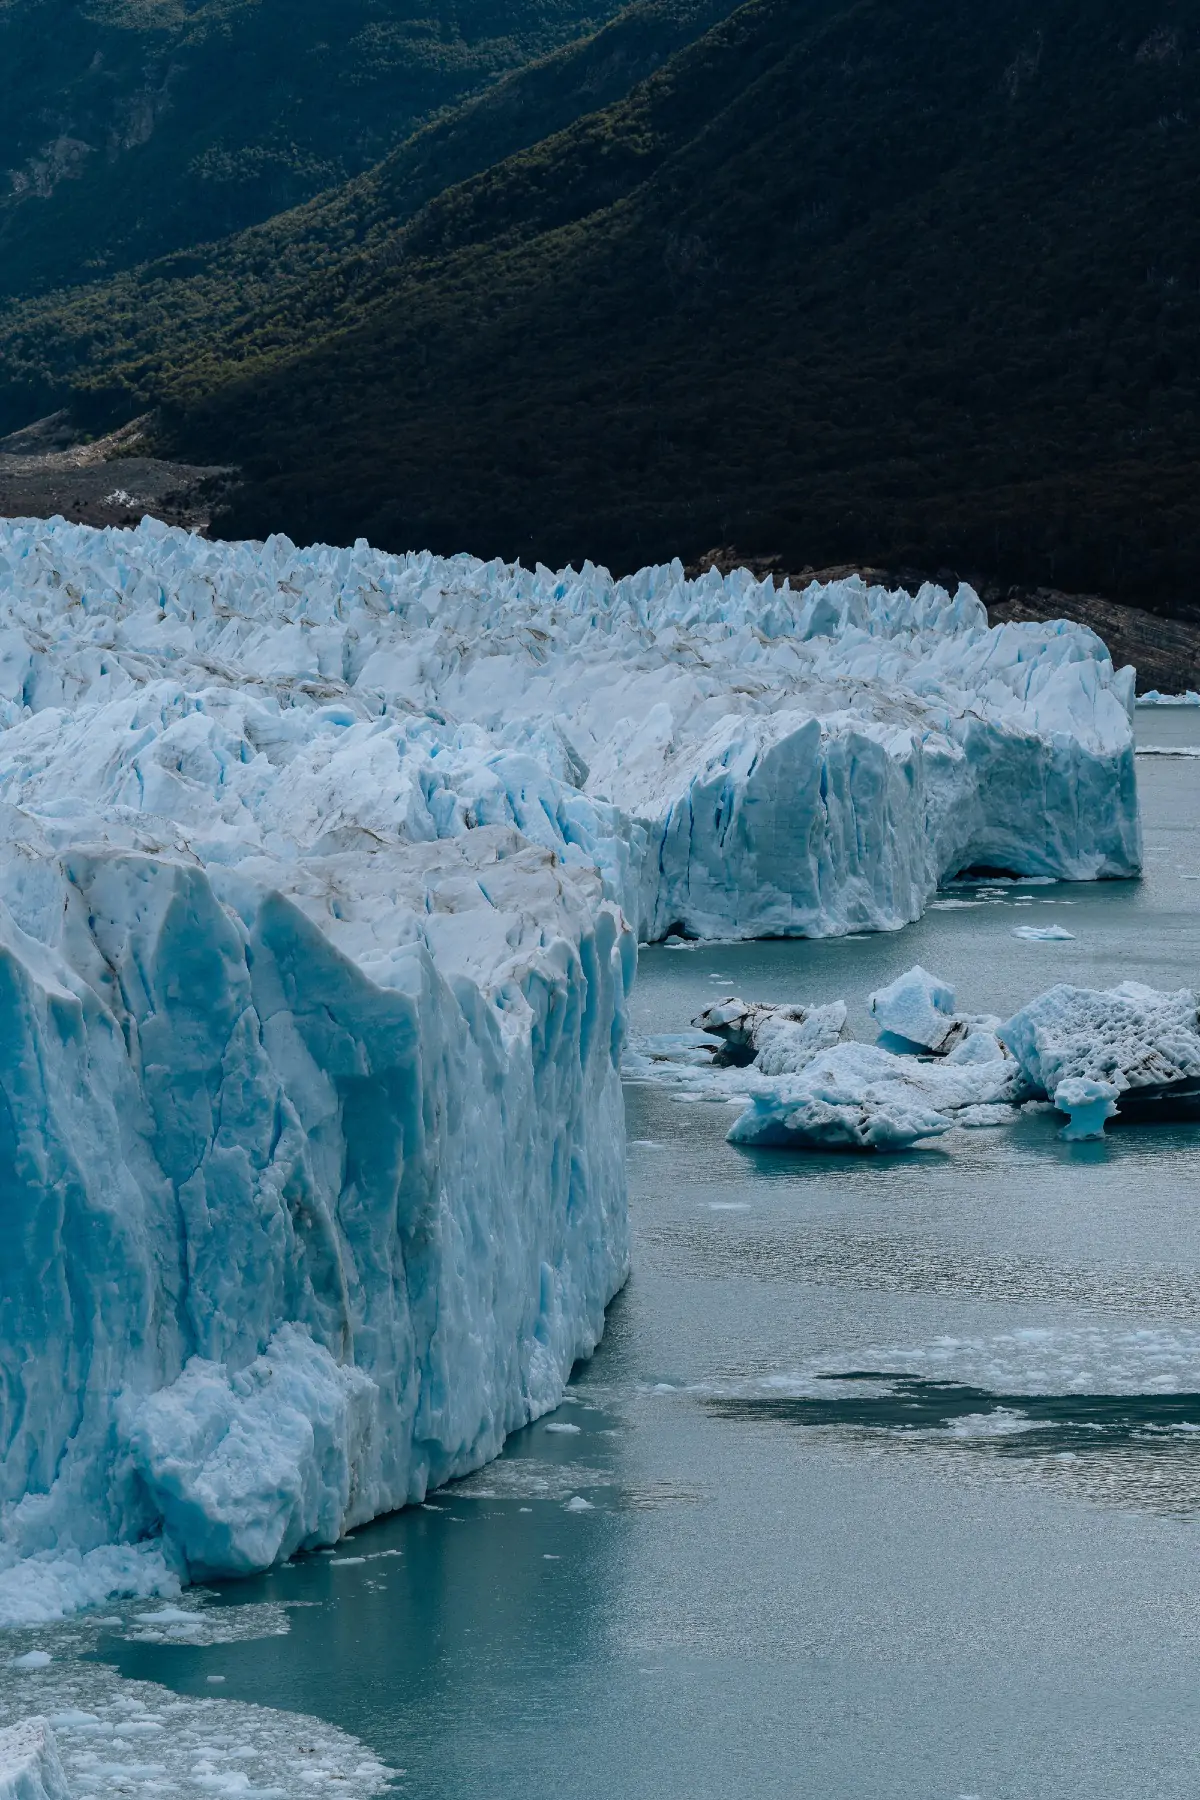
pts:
pixel 739 761
pixel 317 876
pixel 311 1177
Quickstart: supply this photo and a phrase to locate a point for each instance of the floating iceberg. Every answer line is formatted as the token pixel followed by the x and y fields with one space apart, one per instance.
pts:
pixel 917 1008
pixel 862 1097
pixel 803 1085
pixel 1129 1044
pixel 1090 1105
pixel 318 877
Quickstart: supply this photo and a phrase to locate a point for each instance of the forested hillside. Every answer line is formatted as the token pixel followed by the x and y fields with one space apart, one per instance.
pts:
pixel 898 281
pixel 189 320
pixel 133 127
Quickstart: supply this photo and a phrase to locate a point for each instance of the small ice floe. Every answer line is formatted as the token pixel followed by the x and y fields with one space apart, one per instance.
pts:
pixel 564 1429
pixel 1090 1104
pixel 577 1504
pixel 32 1659
pixel 1041 934
pixel 202 1626
pixel 1152 697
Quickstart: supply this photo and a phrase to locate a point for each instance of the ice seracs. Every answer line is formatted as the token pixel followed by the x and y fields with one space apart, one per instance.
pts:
pixel 740 761
pixel 316 1169
pixel 320 873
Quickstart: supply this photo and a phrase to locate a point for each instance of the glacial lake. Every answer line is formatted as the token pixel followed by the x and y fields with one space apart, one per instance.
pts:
pixel 885 1480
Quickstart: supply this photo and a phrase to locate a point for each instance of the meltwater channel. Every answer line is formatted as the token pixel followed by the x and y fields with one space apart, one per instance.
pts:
pixel 884 1482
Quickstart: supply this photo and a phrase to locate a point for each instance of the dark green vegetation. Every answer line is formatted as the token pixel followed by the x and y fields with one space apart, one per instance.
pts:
pixel 133 127
pixel 186 322
pixel 904 281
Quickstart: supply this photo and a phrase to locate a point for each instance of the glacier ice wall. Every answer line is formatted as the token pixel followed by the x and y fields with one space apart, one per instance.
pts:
pixel 311 1178
pixel 739 761
pixel 318 870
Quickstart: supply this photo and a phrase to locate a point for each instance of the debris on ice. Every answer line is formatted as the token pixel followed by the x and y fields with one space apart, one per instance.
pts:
pixel 778 1040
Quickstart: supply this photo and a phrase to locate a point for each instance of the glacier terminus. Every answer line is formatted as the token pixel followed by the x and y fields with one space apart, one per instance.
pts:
pixel 322 875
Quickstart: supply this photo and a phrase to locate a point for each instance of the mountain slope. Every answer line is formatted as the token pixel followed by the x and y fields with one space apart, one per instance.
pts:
pixel 206 312
pixel 915 283
pixel 888 280
pixel 129 128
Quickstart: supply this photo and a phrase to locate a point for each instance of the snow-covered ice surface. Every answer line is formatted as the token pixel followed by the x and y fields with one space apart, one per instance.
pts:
pixel 741 762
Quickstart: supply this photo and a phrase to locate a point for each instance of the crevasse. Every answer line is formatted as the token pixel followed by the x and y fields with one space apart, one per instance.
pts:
pixel 319 877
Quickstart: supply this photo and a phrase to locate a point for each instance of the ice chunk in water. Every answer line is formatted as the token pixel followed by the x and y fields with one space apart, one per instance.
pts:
pixel 1131 1036
pixel 863 1097
pixel 30 1766
pixel 916 1007
pixel 1089 1103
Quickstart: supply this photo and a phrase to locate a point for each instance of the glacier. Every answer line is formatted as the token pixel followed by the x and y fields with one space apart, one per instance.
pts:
pixel 322 874
pixel 740 761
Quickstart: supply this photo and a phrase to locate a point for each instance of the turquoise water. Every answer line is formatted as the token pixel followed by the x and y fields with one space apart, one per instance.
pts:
pixel 971 1570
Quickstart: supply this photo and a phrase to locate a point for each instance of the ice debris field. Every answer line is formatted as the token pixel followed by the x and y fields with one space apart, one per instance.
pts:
pixel 322 874
pixel 804 1083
